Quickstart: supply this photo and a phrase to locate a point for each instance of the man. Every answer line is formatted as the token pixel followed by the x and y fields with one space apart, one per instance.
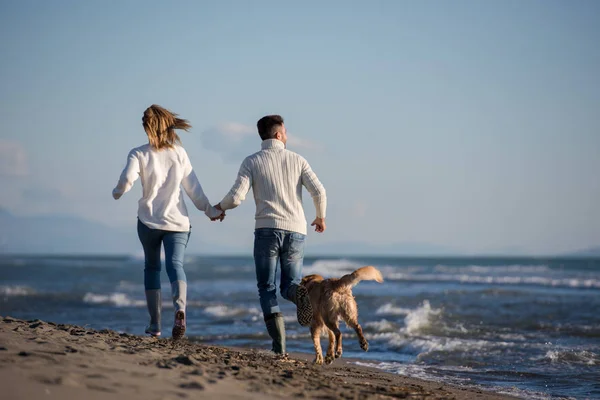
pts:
pixel 276 176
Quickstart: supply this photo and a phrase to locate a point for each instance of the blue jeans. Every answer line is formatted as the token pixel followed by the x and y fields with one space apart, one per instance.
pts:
pixel 174 243
pixel 270 246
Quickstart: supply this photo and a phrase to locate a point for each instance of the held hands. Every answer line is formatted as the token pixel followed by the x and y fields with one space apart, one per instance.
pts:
pixel 319 224
pixel 221 217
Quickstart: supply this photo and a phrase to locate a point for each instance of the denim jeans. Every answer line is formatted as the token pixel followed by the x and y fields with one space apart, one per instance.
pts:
pixel 270 246
pixel 174 243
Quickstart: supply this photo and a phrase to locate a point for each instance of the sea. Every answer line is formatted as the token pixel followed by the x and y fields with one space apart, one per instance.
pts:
pixel 528 327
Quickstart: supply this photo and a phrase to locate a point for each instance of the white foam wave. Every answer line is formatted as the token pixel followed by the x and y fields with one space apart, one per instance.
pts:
pixel 451 345
pixel 423 346
pixel 130 286
pixel 390 309
pixel 497 270
pixel 16 290
pixel 290 319
pixel 521 393
pixel 515 337
pixel 421 317
pixel 505 280
pixel 437 374
pixel 380 326
pixel 331 268
pixel 412 370
pixel 116 299
pixel 573 357
pixel 224 311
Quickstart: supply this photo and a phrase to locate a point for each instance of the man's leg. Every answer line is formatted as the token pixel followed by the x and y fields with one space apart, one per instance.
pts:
pixel 267 243
pixel 292 259
pixel 151 240
pixel 175 244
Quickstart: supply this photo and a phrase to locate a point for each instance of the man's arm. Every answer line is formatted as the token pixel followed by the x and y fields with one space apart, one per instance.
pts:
pixel 240 188
pixel 129 175
pixel 318 194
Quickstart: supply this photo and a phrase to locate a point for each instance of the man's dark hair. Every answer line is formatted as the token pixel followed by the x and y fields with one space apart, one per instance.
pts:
pixel 268 125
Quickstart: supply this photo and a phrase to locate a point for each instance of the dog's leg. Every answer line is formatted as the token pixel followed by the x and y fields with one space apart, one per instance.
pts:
pixel 315 331
pixel 338 347
pixel 361 338
pixel 329 357
pixel 350 316
pixel 335 330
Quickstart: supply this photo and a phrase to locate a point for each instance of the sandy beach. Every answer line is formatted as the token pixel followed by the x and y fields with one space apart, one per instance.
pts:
pixel 54 361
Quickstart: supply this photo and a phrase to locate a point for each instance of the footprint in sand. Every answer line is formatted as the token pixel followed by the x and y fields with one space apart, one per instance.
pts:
pixel 192 385
pixel 66 380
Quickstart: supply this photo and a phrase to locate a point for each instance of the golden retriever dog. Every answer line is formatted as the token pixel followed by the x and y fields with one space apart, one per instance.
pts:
pixel 332 300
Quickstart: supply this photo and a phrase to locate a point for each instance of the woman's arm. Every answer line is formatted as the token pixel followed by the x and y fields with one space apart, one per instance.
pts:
pixel 194 190
pixel 129 175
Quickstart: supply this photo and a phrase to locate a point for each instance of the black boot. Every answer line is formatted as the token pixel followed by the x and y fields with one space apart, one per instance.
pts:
pixel 276 329
pixel 154 302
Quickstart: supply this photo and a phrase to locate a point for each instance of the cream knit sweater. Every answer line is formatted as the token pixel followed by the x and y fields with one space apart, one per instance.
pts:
pixel 276 176
pixel 163 172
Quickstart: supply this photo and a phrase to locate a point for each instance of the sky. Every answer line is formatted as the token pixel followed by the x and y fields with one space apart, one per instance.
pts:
pixel 472 125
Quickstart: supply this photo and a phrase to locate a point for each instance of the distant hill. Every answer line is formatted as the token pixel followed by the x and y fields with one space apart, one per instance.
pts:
pixel 590 252
pixel 64 234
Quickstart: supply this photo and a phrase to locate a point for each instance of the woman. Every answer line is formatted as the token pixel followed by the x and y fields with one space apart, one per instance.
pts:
pixel 165 168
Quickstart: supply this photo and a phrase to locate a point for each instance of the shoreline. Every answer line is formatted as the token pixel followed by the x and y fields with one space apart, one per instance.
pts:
pixel 55 361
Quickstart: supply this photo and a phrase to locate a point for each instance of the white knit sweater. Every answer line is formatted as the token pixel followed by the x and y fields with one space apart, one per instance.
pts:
pixel 163 172
pixel 276 176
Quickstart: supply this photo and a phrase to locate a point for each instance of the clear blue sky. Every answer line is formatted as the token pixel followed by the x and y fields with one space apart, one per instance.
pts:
pixel 473 125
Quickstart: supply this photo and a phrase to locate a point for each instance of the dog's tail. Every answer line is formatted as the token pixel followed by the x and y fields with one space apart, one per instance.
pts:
pixel 368 273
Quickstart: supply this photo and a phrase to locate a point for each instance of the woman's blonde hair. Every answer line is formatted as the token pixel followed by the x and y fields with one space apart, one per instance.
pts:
pixel 160 124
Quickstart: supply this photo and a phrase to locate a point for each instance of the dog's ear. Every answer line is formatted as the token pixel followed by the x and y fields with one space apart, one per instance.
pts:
pixel 308 279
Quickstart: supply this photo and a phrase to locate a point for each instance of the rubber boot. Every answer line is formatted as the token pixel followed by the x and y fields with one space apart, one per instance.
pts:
pixel 179 293
pixel 276 329
pixel 154 302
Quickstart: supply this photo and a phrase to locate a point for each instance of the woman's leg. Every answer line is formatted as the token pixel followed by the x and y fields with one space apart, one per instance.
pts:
pixel 151 241
pixel 175 244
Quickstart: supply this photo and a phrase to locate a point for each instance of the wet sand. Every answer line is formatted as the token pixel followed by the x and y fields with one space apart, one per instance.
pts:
pixel 44 360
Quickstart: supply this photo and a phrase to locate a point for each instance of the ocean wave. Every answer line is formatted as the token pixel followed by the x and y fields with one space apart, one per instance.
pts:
pixel 224 311
pixel 445 345
pixel 83 262
pixel 482 269
pixel 390 309
pixel 573 357
pixel 130 286
pixel 380 326
pixel 290 319
pixel 522 393
pixel 16 290
pixel 116 299
pixel 424 347
pixel 421 318
pixel 450 375
pixel 332 268
pixel 416 321
pixel 414 371
pixel 515 337
pixel 589 283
